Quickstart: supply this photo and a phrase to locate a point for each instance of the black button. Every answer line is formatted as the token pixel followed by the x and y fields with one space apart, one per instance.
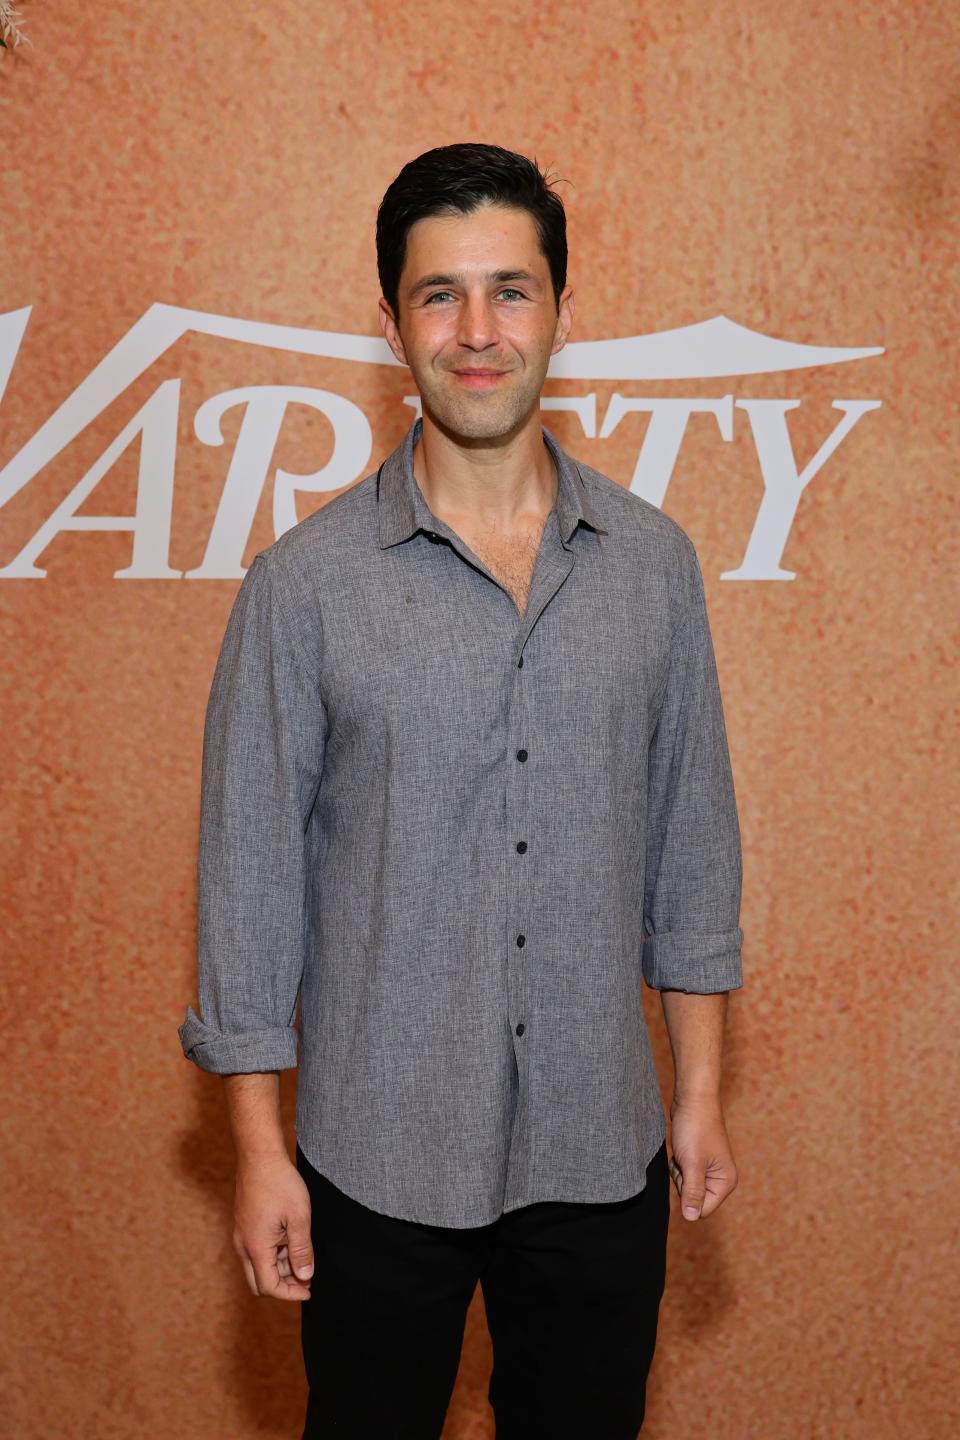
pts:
pixel 520 1029
pixel 521 846
pixel 521 754
pixel 521 941
pixel 520 663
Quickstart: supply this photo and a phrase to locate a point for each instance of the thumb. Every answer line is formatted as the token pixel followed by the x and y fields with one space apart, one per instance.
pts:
pixel 299 1249
pixel 692 1191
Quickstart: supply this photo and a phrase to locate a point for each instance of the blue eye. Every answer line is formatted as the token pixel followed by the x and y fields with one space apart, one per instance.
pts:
pixel 448 294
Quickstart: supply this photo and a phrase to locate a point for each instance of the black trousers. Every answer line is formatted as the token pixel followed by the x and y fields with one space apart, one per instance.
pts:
pixel 571 1292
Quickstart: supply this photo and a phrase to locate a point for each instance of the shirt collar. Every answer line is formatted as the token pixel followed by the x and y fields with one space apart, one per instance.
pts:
pixel 402 509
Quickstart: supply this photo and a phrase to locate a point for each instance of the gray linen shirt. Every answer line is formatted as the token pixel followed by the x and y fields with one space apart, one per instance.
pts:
pixel 464 837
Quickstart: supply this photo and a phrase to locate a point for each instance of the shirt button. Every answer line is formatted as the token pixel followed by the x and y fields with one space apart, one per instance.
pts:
pixel 521 940
pixel 521 846
pixel 521 754
pixel 520 1029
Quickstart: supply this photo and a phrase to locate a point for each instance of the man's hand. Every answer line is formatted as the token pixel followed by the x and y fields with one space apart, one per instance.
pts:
pixel 272 1228
pixel 702 1165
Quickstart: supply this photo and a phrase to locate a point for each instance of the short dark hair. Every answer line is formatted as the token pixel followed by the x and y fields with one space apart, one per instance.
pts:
pixel 461 178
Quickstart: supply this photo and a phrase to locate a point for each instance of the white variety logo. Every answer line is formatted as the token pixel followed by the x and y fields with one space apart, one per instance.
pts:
pixel 712 348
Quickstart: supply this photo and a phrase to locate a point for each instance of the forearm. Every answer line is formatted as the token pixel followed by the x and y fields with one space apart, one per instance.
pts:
pixel 695 1025
pixel 253 1105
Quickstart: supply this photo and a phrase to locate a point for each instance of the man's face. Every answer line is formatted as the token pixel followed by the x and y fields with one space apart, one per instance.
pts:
pixel 477 322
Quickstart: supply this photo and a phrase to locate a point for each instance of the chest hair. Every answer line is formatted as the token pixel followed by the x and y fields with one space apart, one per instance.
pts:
pixel 510 558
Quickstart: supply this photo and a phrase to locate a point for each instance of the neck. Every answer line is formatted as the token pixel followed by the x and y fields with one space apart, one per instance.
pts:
pixel 498 483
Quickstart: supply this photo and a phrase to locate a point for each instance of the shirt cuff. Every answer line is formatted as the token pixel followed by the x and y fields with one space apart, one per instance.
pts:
pixel 250 1052
pixel 693 960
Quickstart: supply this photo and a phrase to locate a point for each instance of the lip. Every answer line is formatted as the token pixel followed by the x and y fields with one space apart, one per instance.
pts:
pixel 478 379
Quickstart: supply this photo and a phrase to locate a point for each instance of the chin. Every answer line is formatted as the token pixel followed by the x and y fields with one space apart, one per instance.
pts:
pixel 478 422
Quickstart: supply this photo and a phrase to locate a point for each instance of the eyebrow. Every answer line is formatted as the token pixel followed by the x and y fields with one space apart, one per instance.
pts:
pixel 496 276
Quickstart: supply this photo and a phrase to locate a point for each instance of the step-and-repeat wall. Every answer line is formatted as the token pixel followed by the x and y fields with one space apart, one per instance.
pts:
pixel 763 221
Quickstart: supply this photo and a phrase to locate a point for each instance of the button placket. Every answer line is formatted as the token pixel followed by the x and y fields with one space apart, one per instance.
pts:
pixel 517 813
pixel 554 563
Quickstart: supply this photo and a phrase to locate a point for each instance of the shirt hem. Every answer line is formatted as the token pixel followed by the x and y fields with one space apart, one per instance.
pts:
pixel 634 1187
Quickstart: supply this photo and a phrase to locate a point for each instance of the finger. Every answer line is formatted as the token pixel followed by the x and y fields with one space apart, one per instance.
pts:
pixel 719 1186
pixel 291 1289
pixel 271 1282
pixel 693 1189
pixel 283 1265
pixel 248 1272
pixel 299 1244
pixel 265 1269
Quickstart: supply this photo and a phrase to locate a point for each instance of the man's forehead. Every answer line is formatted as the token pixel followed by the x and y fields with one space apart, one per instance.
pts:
pixel 497 236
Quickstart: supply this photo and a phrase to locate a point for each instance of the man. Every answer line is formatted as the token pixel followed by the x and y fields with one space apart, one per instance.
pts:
pixel 465 786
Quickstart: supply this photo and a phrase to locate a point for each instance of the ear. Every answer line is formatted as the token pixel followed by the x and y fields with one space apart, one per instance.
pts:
pixel 390 331
pixel 564 319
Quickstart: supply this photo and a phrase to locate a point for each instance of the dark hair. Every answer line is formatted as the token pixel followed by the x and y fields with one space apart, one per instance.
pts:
pixel 461 178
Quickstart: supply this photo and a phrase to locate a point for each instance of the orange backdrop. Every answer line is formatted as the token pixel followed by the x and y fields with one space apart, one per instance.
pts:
pixel 792 168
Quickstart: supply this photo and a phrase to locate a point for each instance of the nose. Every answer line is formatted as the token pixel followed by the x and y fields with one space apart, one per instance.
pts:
pixel 477 323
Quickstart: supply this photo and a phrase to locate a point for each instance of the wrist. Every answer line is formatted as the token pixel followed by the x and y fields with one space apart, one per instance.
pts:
pixel 255 1157
pixel 703 1093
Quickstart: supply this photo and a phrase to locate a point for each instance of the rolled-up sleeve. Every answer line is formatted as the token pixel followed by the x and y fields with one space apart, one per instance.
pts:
pixel 694 866
pixel 262 759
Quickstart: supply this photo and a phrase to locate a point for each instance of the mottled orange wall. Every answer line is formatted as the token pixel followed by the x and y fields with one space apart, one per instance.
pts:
pixel 792 167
